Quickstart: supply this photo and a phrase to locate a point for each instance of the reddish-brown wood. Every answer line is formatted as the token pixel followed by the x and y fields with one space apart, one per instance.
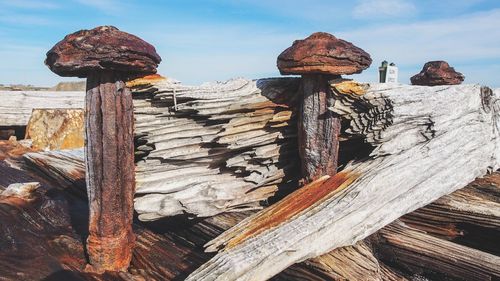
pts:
pixel 110 165
pixel 318 129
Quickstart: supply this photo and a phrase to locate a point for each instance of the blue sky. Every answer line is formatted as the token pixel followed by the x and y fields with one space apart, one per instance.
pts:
pixel 221 39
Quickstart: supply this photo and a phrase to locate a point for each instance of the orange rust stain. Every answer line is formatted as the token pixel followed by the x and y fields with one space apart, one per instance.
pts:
pixel 352 88
pixel 12 149
pixel 145 80
pixel 295 203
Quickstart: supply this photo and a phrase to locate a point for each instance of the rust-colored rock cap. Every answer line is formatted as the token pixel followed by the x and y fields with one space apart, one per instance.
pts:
pixel 100 49
pixel 436 73
pixel 323 53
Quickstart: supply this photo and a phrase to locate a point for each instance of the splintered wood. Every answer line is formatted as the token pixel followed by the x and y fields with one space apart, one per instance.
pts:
pixel 428 142
pixel 207 149
pixel 214 148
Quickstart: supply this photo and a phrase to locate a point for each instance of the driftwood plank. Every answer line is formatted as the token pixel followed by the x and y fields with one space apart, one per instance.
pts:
pixel 409 248
pixel 428 142
pixel 16 106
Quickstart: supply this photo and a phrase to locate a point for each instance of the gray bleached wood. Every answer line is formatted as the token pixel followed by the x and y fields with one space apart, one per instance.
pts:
pixel 411 248
pixel 429 141
pixel 16 106
pixel 212 148
pixel 225 147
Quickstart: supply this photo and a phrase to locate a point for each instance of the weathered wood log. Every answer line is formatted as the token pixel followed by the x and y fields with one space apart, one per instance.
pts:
pixel 44 239
pixel 411 248
pixel 355 262
pixel 469 216
pixel 468 205
pixel 236 147
pixel 170 252
pixel 16 106
pixel 231 154
pixel 429 141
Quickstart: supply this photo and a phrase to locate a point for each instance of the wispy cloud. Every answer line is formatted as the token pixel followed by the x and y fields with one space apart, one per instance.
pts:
pixel 377 9
pixel 29 4
pixel 196 53
pixel 24 19
pixel 463 40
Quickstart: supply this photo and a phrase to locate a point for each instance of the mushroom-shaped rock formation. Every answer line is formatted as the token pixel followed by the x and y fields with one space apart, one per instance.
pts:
pixel 99 49
pixel 323 53
pixel 436 73
pixel 107 57
pixel 320 58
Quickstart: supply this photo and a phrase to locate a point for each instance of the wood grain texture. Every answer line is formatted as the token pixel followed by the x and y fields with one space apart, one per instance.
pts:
pixel 16 106
pixel 318 129
pixel 218 147
pixel 428 142
pixel 109 159
pixel 409 247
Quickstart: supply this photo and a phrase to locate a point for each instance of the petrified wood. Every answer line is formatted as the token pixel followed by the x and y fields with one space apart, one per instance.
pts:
pixel 427 143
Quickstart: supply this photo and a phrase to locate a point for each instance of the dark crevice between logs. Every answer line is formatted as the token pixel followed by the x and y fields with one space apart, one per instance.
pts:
pixel 17 131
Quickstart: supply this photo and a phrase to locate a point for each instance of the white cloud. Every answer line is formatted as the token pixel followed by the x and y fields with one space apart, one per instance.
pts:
pixel 377 9
pixel 468 40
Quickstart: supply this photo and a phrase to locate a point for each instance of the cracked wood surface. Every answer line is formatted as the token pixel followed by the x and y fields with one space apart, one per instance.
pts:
pixel 399 244
pixel 429 141
pixel 218 147
pixel 16 106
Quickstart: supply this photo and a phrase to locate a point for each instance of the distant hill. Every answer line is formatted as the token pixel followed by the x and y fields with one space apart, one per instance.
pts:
pixel 19 87
pixel 62 86
pixel 69 86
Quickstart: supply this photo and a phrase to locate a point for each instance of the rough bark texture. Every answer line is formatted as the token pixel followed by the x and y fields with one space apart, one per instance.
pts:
pixel 102 48
pixel 421 135
pixel 435 73
pixel 323 53
pixel 318 129
pixel 109 125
